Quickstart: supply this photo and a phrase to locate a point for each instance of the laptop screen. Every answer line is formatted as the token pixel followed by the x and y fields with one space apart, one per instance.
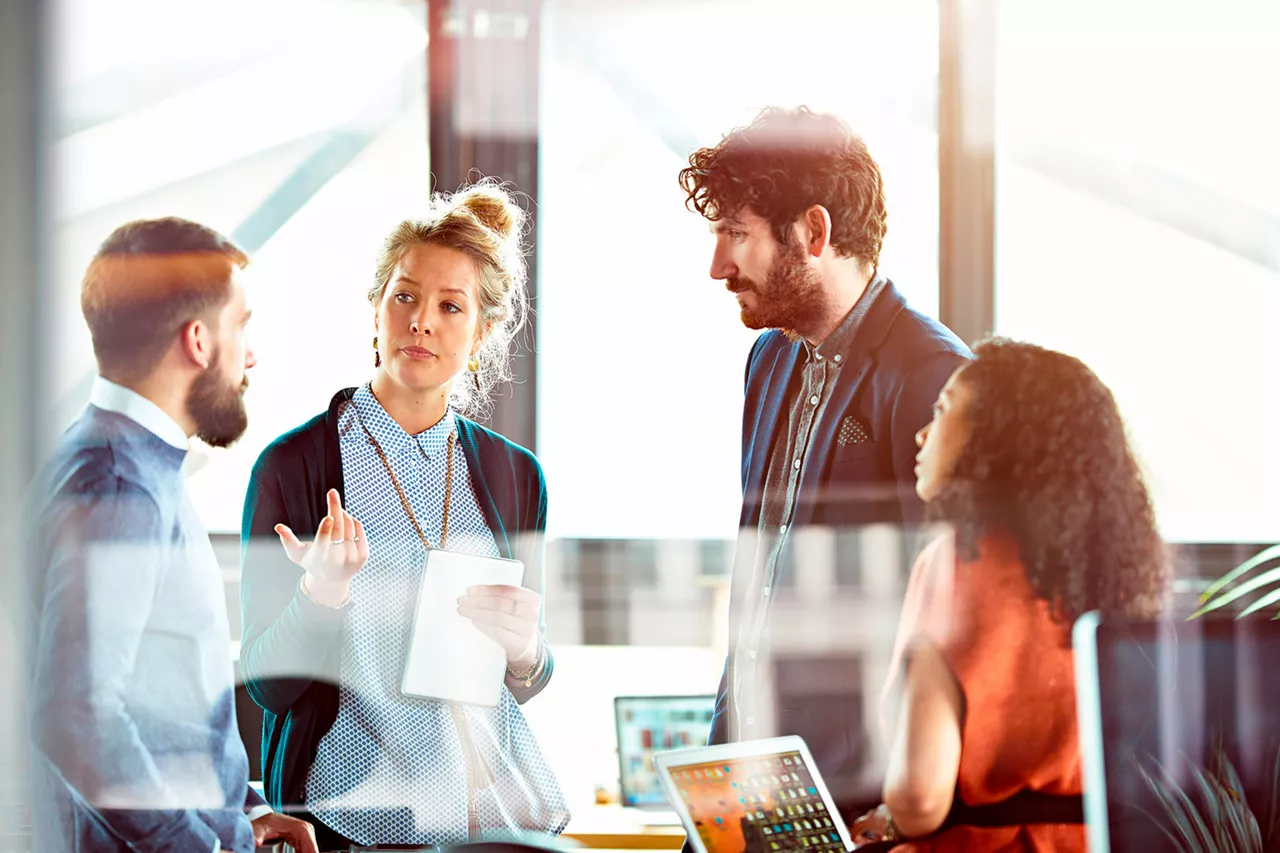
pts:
pixel 758 804
pixel 651 724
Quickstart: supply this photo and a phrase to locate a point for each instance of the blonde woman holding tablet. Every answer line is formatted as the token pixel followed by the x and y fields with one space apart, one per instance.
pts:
pixel 327 611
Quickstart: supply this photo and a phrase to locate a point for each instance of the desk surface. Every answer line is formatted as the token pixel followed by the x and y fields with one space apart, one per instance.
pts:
pixel 614 827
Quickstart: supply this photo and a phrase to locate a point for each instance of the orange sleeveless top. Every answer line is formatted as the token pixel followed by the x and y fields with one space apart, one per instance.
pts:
pixel 1014 666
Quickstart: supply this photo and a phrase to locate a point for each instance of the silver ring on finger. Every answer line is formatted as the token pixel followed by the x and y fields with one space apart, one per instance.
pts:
pixel 337 542
pixel 353 539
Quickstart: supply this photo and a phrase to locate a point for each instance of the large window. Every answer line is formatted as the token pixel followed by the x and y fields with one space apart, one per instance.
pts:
pixel 297 127
pixel 1138 227
pixel 641 354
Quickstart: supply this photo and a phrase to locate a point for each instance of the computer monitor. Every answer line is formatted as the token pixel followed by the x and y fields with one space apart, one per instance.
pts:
pixel 1157 700
pixel 648 725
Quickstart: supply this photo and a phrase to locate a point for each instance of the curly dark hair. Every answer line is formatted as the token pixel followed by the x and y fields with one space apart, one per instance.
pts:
pixel 1047 460
pixel 782 164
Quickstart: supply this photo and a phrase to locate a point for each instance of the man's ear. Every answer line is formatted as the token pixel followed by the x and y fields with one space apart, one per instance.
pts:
pixel 815 230
pixel 195 340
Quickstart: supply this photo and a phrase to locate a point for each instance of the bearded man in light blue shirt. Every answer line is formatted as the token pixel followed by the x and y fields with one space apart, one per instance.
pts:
pixel 134 736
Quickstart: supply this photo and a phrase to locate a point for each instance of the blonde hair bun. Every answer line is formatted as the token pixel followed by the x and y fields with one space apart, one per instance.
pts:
pixel 484 222
pixel 493 206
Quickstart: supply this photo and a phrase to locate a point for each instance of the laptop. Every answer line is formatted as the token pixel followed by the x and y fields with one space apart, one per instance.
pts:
pixel 1158 701
pixel 757 796
pixel 648 725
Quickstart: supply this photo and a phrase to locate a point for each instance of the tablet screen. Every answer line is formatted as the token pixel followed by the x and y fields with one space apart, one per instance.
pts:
pixel 759 803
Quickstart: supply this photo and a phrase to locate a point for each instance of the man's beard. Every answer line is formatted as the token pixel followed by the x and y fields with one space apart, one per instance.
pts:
pixel 791 299
pixel 217 407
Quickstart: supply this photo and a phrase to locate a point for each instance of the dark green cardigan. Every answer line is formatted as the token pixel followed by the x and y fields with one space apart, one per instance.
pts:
pixel 290 645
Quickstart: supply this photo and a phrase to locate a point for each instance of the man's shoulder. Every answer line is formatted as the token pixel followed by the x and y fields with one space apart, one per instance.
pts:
pixel 93 460
pixel 765 352
pixel 770 343
pixel 91 490
pixel 915 337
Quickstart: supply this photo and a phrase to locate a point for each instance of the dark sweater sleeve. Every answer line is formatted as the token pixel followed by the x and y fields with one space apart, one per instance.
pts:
pixel 288 641
pixel 533 548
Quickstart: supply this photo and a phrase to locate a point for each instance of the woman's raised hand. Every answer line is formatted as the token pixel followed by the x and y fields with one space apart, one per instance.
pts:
pixel 333 558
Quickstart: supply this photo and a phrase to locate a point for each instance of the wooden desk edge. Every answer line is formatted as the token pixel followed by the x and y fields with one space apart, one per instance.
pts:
pixel 629 840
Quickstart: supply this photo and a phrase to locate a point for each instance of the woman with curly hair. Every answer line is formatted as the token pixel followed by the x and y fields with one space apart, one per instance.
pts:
pixel 1026 457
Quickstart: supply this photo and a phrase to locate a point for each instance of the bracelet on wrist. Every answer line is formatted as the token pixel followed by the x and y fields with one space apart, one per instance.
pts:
pixel 535 668
pixel 302 587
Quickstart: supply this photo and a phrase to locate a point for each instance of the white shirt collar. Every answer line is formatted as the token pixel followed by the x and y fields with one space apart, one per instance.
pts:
pixel 391 436
pixel 137 408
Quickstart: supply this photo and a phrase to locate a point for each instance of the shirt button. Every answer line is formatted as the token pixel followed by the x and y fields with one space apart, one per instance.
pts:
pixel 766 592
pixel 752 654
pixel 818 356
pixel 837 358
pixel 782 529
pixel 751 721
pixel 796 464
pixel 814 399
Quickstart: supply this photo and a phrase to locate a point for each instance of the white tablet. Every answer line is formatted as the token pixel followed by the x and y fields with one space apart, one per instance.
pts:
pixel 756 796
pixel 448 657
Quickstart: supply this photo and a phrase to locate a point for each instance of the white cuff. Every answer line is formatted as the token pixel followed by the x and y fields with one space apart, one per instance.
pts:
pixel 258 811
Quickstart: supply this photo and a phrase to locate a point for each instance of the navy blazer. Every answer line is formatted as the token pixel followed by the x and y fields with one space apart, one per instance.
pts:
pixel 894 368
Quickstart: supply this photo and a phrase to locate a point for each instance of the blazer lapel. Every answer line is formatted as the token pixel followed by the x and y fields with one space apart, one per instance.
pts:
pixel 859 360
pixel 823 438
pixel 760 443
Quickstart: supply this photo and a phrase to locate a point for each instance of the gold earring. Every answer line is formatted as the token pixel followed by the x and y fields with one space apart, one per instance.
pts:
pixel 473 364
pixel 377 356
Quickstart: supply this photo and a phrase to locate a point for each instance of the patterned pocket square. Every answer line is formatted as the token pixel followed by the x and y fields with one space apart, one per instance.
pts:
pixel 851 432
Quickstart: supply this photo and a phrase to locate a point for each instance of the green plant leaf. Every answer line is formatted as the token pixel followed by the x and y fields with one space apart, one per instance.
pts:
pixel 1264 579
pixel 1177 826
pixel 1179 845
pixel 1263 556
pixel 1182 813
pixel 1243 820
pixel 1222 821
pixel 1270 598
pixel 1234 826
pixel 1211 798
